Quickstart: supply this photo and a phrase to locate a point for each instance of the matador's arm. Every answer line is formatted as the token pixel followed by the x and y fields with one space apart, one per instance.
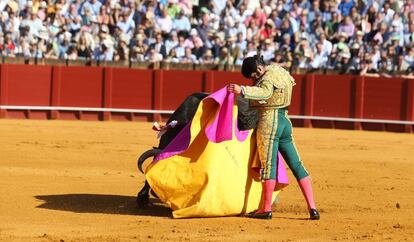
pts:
pixel 261 91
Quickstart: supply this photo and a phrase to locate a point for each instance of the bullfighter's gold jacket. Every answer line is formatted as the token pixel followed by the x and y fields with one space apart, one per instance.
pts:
pixel 272 91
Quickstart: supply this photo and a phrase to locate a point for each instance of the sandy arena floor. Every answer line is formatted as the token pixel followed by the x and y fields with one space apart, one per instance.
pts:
pixel 77 181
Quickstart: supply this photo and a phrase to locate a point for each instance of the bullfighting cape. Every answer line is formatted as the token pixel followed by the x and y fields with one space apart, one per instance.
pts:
pixel 206 170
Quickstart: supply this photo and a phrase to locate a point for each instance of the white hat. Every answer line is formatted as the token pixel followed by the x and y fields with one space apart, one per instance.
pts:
pixel 304 35
pixel 67 35
pixel 270 22
pixel 343 34
pixel 43 4
pixel 139 37
pixel 193 32
pixel 43 34
pixel 13 6
pixel 93 19
pixel 124 38
pixel 345 55
pixel 237 19
pixel 108 43
pixel 105 28
pixel 208 53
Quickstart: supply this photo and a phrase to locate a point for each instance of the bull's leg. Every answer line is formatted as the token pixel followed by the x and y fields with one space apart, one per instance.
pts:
pixel 143 196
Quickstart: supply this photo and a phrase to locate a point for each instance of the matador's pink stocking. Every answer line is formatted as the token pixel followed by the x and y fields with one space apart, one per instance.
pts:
pixel 268 186
pixel 306 187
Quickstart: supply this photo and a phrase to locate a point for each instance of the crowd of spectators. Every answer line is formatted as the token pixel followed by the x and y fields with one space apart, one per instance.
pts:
pixel 349 36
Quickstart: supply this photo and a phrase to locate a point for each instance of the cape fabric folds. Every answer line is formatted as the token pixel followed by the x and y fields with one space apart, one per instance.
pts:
pixel 206 170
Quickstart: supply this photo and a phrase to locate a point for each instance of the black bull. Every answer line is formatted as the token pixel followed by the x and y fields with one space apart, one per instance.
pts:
pixel 246 119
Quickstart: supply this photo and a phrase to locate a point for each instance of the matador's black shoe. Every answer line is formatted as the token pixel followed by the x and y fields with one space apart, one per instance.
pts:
pixel 314 215
pixel 265 215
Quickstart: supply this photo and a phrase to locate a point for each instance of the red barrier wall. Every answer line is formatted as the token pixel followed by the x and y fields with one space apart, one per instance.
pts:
pixel 299 98
pixel 29 87
pixel 177 85
pixel 128 88
pixel 341 96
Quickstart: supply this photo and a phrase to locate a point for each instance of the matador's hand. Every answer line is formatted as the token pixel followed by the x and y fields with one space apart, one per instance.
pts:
pixel 234 88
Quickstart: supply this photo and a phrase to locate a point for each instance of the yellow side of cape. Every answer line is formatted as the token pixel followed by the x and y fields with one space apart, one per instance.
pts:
pixel 209 179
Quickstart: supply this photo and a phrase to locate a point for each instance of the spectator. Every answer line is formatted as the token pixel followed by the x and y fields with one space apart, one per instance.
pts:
pixel 341 45
pixel 173 9
pixel 320 59
pixel 93 6
pixel 63 46
pixel 159 45
pixel 241 42
pixel 240 28
pixel 258 17
pixel 274 16
pixel 355 62
pixel 376 56
pixel 33 23
pixel 345 7
pixel 287 44
pixel 382 35
pixel 181 23
pixel 122 52
pixel 268 50
pixel 180 48
pixel 139 49
pixel 357 39
pixel 344 64
pixel 304 33
pixel 103 17
pixel 153 56
pixel 332 60
pixel 347 27
pixel 171 42
pixel 332 25
pixel 354 15
pixel 83 50
pixel 388 12
pixel 409 57
pixel 72 53
pixel 314 11
pixel 126 24
pixel 268 30
pixel 225 58
pixel 203 29
pixel 409 35
pixel 326 44
pixel 250 50
pixel 188 57
pixel 282 58
pixel 402 65
pixel 172 57
pixel 164 22
pixel 189 42
pixel 9 47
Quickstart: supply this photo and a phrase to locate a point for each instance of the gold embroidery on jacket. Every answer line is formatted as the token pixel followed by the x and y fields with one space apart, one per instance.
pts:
pixel 275 87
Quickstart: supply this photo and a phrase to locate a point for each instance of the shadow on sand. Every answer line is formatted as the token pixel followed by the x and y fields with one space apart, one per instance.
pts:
pixel 290 218
pixel 101 203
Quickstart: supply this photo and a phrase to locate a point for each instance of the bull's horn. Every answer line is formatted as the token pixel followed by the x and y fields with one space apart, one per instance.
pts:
pixel 146 155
